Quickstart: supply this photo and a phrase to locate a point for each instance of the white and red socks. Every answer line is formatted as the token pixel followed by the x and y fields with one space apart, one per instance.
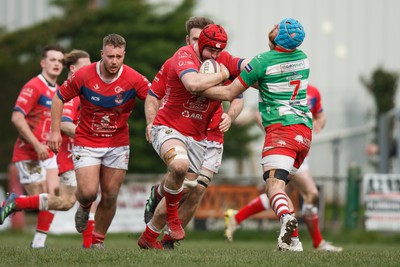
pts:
pixel 45 218
pixel 255 206
pixel 310 215
pixel 87 233
pixel 280 204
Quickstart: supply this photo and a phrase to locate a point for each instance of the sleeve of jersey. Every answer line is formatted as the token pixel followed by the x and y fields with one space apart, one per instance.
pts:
pixel 68 111
pixel 69 89
pixel 183 63
pixel 250 74
pixel 159 85
pixel 233 64
pixel 142 85
pixel 27 99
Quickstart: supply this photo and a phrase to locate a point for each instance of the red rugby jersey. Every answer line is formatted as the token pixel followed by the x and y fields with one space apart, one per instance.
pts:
pixel 189 114
pixel 34 101
pixel 105 107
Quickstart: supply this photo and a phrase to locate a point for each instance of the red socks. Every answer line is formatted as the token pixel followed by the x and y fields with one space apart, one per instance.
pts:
pixel 172 203
pixel 253 207
pixel 45 218
pixel 27 203
pixel 97 238
pixel 312 222
pixel 87 234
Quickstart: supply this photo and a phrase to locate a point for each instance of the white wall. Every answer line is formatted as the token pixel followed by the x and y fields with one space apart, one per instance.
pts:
pixel 16 14
pixel 345 39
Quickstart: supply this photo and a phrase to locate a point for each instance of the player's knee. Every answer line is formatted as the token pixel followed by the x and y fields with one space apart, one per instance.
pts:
pixel 311 197
pixel 177 159
pixel 279 174
pixel 86 199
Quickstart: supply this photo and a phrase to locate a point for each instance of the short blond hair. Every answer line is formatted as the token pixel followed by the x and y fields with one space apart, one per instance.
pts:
pixel 115 40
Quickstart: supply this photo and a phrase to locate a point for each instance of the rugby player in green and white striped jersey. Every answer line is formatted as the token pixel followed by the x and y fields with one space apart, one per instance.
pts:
pixel 281 75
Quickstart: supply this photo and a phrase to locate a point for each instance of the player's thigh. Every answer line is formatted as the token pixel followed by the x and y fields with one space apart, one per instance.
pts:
pixel 304 183
pixel 111 180
pixel 88 179
pixel 52 180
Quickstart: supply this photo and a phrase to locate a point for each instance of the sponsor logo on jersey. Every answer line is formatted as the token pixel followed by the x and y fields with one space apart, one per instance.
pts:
pixel 185 114
pixel 182 54
pixel 119 99
pixel 292 66
pixel 196 116
pixel 184 63
pixel 281 143
pixel 118 89
pixel 96 87
pixel 95 98
pixel 301 140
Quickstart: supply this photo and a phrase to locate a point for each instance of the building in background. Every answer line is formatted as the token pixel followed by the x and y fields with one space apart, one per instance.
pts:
pixel 17 14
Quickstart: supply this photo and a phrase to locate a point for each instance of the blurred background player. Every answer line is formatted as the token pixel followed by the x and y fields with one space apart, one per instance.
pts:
pixel 302 181
pixel 282 77
pixel 219 124
pixel 73 61
pixel 36 163
pixel 108 90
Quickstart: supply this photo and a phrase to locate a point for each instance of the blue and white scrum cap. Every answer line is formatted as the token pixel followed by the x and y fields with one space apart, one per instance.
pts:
pixel 290 34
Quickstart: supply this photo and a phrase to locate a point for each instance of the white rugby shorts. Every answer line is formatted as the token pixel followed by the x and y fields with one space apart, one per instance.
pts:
pixel 213 157
pixel 196 149
pixel 112 157
pixel 34 171
pixel 68 178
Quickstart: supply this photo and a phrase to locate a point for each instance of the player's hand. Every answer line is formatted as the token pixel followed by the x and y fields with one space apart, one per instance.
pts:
pixel 224 72
pixel 226 122
pixel 317 127
pixel 148 133
pixel 42 151
pixel 55 141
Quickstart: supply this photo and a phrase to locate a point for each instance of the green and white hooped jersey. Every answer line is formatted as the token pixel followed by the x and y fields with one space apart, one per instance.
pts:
pixel 283 81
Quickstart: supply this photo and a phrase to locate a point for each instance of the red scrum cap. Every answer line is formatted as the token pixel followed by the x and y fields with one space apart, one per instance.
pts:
pixel 214 36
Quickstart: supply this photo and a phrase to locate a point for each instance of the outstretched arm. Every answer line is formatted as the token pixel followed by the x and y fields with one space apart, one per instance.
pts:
pixel 228 92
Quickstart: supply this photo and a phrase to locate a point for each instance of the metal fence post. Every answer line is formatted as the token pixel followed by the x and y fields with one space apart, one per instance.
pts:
pixel 353 196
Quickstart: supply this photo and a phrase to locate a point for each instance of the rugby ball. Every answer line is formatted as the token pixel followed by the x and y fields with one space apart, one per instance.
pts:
pixel 210 66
